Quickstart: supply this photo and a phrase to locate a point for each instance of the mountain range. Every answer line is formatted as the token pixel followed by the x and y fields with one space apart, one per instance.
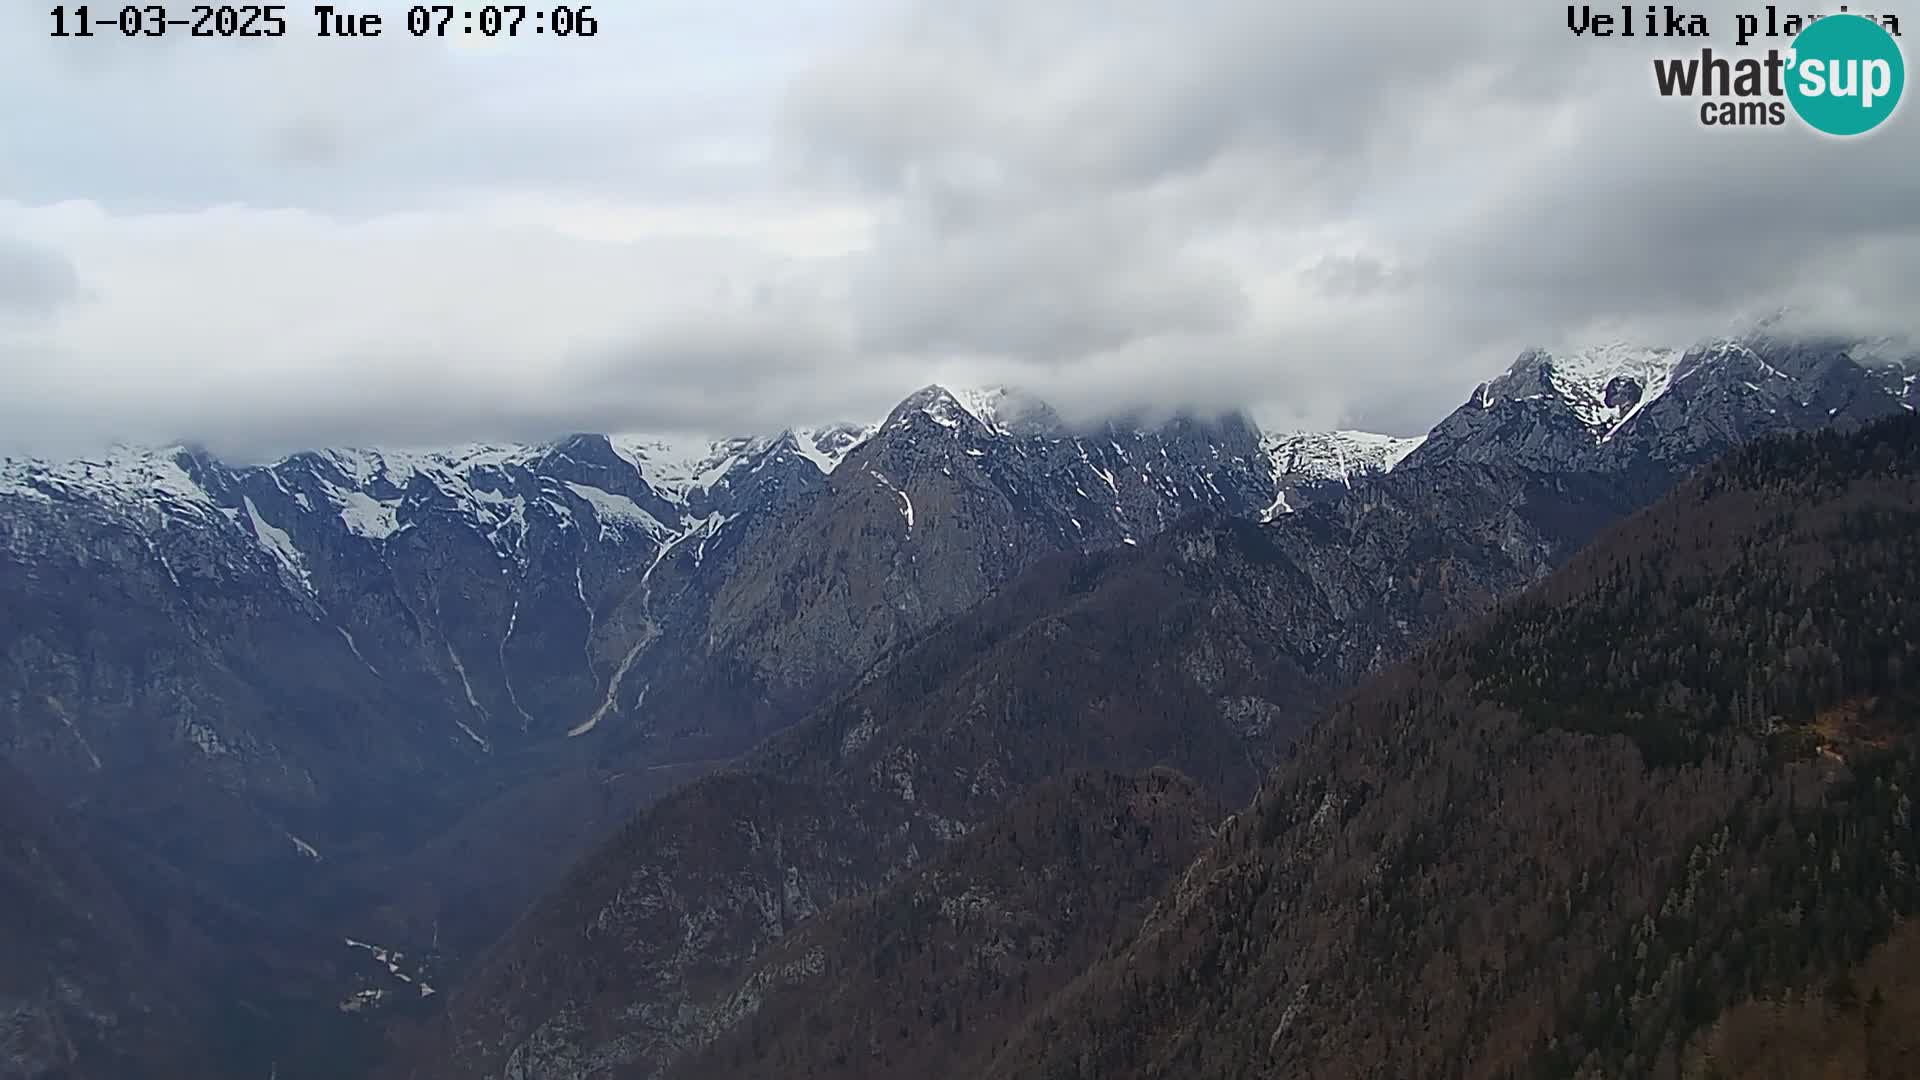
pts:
pixel 392 697
pixel 1650 817
pixel 1208 649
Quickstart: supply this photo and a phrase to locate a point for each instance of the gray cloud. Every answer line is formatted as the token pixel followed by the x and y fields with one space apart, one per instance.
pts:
pixel 1652 216
pixel 1087 95
pixel 1351 275
pixel 34 281
pixel 1451 183
pixel 1050 290
pixel 723 217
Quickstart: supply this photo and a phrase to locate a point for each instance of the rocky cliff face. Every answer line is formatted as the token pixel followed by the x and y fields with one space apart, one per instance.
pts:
pixel 941 506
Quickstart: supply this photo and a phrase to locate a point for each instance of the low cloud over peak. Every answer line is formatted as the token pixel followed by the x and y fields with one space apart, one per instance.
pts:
pixel 737 218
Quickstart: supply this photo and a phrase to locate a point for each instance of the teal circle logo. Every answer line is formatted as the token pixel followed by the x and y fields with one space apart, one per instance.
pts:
pixel 1846 74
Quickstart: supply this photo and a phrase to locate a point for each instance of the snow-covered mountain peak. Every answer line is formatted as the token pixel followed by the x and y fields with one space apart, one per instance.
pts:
pixel 827 447
pixel 994 410
pixel 1339 453
pixel 676 467
pixel 369 469
pixel 984 404
pixel 1308 459
pixel 1601 385
pixel 129 476
pixel 956 411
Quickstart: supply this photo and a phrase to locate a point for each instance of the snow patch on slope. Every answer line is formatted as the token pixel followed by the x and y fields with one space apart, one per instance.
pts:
pixel 277 543
pixel 378 482
pixel 984 405
pixel 906 504
pixel 365 516
pixel 466 684
pixel 1330 457
pixel 955 410
pixel 1582 378
pixel 16 479
pixel 1603 386
pixel 677 467
pixel 617 513
pixel 126 478
pixel 705 529
pixel 502 517
pixel 826 448
pixel 366 467
pixel 398 467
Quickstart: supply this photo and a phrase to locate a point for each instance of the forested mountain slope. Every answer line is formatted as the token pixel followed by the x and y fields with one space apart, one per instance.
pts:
pixel 1674 777
pixel 915 979
pixel 1861 1025
pixel 83 993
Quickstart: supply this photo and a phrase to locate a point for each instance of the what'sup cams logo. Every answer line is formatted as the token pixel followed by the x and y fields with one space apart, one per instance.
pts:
pixel 1842 74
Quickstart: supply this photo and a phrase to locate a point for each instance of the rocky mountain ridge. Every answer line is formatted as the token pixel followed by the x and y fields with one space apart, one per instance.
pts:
pixel 1309 465
pixel 603 541
pixel 1622 409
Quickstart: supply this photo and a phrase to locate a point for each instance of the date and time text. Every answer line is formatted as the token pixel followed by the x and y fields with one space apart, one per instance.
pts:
pixel 322 20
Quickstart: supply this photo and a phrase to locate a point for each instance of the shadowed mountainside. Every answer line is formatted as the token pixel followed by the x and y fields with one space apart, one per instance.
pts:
pixel 1205 650
pixel 915 980
pixel 1674 777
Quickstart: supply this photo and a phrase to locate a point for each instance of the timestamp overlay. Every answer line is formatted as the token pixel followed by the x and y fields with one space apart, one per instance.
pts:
pixel 454 22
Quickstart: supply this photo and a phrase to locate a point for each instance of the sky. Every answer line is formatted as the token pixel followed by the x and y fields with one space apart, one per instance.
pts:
pixel 729 217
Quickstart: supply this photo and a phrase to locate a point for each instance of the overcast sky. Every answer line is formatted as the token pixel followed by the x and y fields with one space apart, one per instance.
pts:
pixel 730 216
